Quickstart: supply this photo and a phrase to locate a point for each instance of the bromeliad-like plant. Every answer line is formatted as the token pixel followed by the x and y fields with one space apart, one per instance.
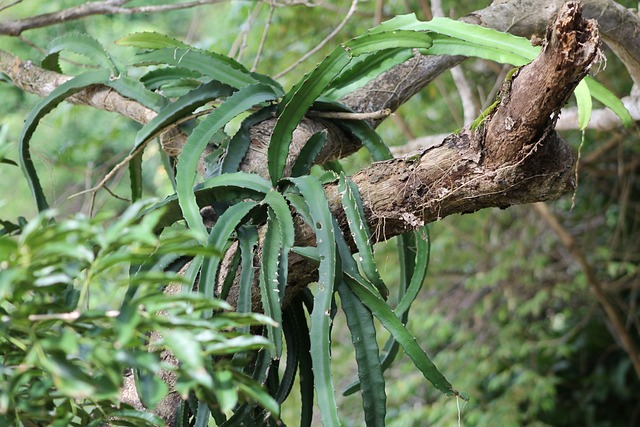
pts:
pixel 258 217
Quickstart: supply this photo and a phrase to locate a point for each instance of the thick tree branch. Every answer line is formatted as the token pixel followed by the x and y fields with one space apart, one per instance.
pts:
pixel 514 157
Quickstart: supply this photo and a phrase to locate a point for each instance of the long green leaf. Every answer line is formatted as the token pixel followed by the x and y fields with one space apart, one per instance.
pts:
pixel 135 90
pixel 56 96
pixel 323 226
pixel 295 104
pixel 608 99
pixel 215 66
pixel 160 77
pixel 237 103
pixel 84 45
pixel 583 101
pixel 150 40
pixel 269 283
pixel 371 298
pixel 363 337
pixel 414 250
pixel 365 68
pixel 280 208
pixel 308 154
pixel 356 220
pixel 217 241
pixel 225 187
pixel 239 144
pixel 181 107
pixel 383 313
pixel 248 239
pixel 372 42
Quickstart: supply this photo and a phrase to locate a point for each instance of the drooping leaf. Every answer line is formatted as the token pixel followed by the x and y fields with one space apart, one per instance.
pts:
pixel 389 320
pixel 414 250
pixel 160 77
pixel 322 224
pixel 84 45
pixel 372 42
pixel 239 144
pixel 217 241
pixel 309 153
pixel 56 96
pixel 269 283
pixel 363 337
pixel 280 208
pixel 225 187
pixel 606 97
pixel 135 90
pixel 188 159
pixel 295 104
pixel 181 107
pixel 248 239
pixel 363 69
pixel 583 101
pixel 356 220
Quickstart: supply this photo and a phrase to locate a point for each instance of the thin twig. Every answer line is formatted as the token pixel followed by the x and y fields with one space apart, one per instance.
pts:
pixel 67 317
pixel 107 7
pixel 351 11
pixel 264 36
pixel 344 115
pixel 9 5
pixel 596 287
pixel 116 168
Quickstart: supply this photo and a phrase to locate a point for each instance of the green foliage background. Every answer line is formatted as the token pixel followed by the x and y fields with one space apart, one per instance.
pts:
pixel 506 312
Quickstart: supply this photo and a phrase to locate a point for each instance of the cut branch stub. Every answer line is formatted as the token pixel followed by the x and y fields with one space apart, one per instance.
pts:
pixel 532 99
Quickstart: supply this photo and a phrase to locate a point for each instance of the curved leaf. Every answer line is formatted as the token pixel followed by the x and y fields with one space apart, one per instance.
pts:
pixel 84 45
pixel 150 40
pixel 372 42
pixel 323 226
pixel 353 209
pixel 280 208
pixel 294 106
pixel 608 99
pixel 585 106
pixel 197 141
pixel 269 283
pixel 135 90
pixel 214 66
pixel 446 45
pixel 308 154
pixel 365 68
pixel 363 337
pixel 56 96
pixel 239 144
pixel 229 187
pixel 220 233
pixel 181 107
pixel 383 313
pixel 156 79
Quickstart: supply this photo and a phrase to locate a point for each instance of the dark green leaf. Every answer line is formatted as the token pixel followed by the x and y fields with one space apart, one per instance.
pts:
pixel 197 141
pixel 363 337
pixel 309 153
pixel 56 96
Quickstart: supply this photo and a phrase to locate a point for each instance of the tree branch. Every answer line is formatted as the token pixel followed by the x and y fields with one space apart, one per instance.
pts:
pixel 106 7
